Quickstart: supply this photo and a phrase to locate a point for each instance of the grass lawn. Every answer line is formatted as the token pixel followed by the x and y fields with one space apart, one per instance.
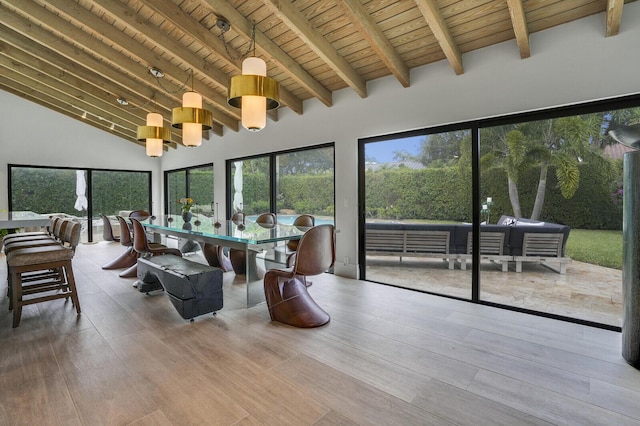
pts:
pixel 602 248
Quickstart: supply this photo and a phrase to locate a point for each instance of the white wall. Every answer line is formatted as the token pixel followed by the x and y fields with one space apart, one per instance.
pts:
pixel 33 135
pixel 569 64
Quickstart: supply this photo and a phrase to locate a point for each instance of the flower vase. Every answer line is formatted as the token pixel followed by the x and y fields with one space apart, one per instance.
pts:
pixel 186 216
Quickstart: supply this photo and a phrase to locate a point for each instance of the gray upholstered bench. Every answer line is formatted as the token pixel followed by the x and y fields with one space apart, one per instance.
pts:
pixel 194 289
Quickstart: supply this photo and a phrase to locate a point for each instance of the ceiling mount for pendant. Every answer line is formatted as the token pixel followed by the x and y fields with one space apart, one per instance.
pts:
pixel 156 72
pixel 223 24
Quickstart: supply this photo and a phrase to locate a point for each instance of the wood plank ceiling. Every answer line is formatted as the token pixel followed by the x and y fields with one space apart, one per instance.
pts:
pixel 78 57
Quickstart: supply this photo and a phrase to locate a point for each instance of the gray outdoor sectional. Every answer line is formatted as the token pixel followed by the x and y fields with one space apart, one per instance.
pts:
pixel 510 241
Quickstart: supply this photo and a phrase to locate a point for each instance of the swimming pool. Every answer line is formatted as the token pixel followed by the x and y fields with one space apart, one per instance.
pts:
pixel 287 219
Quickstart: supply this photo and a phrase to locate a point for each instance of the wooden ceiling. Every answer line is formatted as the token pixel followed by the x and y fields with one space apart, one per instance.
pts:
pixel 78 57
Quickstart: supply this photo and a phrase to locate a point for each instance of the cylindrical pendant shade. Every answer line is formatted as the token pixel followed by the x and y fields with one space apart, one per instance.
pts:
pixel 254 113
pixel 253 92
pixel 154 119
pixel 254 66
pixel 254 108
pixel 154 147
pixel 192 100
pixel 154 134
pixel 192 132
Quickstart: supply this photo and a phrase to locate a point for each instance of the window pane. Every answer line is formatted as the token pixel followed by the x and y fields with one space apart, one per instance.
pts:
pixel 250 186
pixel 305 185
pixel 556 185
pixel 417 200
pixel 201 187
pixel 176 189
pixel 43 190
pixel 116 191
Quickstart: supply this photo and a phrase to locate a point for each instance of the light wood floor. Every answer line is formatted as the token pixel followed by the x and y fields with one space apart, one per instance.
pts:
pixel 388 357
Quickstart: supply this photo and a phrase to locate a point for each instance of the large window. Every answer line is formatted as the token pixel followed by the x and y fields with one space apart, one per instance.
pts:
pixel 193 182
pixel 532 204
pixel 287 183
pixel 417 190
pixel 80 193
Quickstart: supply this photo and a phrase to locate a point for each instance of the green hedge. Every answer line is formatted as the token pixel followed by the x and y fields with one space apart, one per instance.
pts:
pixel 445 194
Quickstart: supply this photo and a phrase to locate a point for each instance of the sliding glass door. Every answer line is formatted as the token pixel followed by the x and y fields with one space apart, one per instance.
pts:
pixel 287 183
pixel 417 208
pixel 83 194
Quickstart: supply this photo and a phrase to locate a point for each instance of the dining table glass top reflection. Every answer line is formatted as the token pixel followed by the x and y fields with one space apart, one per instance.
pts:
pixel 248 233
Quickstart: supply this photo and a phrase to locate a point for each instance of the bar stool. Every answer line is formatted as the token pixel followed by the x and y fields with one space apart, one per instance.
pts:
pixel 43 269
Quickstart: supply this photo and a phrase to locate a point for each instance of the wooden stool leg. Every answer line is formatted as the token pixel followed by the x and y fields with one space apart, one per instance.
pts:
pixel 9 294
pixel 72 286
pixel 16 297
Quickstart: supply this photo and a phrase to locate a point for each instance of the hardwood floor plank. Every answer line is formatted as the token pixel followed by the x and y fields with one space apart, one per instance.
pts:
pixel 264 396
pixel 547 405
pixel 45 400
pixel 618 374
pixel 491 359
pixel 545 336
pixel 177 385
pixel 110 394
pixel 615 398
pixel 359 402
pixel 157 418
pixel 395 377
pixel 333 418
pixel 462 407
pixel 388 356
pixel 25 358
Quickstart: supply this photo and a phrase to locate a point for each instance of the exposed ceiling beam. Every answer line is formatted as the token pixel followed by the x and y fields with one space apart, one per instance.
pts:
pixel 25 69
pixel 432 15
pixel 162 41
pixel 614 16
pixel 81 80
pixel 193 28
pixel 519 22
pixel 87 83
pixel 173 81
pixel 270 49
pixel 372 33
pixel 300 26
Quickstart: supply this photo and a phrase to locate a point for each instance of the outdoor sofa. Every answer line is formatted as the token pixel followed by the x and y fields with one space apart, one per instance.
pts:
pixel 511 240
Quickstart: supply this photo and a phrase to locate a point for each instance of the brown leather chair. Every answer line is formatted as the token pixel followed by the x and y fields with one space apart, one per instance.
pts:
pixel 290 303
pixel 215 254
pixel 303 221
pixel 127 259
pixel 107 230
pixel 238 218
pixel 238 257
pixel 142 246
pixel 267 220
pixel 140 214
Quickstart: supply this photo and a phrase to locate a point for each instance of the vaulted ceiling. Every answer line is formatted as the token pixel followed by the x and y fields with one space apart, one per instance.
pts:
pixel 82 58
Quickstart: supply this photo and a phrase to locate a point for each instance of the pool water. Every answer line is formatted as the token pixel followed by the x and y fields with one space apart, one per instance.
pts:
pixel 287 219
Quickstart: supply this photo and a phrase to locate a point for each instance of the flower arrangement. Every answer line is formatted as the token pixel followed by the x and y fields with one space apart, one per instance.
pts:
pixel 186 203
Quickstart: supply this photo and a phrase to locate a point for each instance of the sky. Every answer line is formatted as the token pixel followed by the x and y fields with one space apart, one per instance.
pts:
pixel 383 151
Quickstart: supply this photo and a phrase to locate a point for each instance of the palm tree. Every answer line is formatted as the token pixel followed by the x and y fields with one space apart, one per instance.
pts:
pixel 562 142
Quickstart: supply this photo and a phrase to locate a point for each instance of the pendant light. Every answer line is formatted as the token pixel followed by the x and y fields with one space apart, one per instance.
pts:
pixel 253 92
pixel 191 118
pixel 154 134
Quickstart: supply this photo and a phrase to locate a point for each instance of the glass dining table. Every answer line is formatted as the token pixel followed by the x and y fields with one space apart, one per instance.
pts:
pixel 252 238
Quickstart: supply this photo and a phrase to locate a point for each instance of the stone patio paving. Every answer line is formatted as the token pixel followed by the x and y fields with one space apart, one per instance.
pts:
pixel 587 292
